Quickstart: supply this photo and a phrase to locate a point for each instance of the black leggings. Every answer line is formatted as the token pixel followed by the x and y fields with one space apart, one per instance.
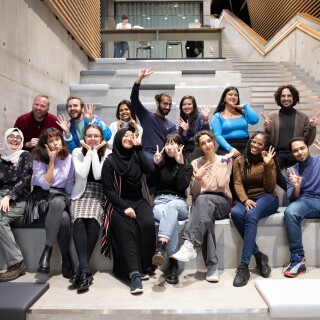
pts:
pixel 85 236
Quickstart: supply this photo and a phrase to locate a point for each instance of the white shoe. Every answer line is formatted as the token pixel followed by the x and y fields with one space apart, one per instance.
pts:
pixel 186 252
pixel 212 274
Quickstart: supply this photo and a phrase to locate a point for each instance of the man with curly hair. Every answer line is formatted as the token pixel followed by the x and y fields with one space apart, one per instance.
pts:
pixel 284 124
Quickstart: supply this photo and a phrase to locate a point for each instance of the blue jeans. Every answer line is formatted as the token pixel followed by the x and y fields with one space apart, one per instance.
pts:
pixel 120 49
pixel 168 209
pixel 246 222
pixel 305 207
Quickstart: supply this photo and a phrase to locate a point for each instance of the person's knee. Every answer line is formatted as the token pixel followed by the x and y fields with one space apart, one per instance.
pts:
pixel 291 215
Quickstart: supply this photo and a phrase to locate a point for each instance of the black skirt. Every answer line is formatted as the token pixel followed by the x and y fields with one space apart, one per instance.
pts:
pixel 39 200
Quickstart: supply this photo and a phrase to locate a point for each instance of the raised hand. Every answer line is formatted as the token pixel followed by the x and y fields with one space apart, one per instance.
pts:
pixel 267 122
pixel 315 144
pixel 313 120
pixel 206 111
pixel 249 204
pixel 100 145
pixel 120 124
pixel 64 124
pixel 136 141
pixel 179 156
pixel 52 154
pixel 157 157
pixel 198 175
pixel 89 111
pixel 268 155
pixel 294 178
pixel 182 124
pixel 145 73
pixel 83 144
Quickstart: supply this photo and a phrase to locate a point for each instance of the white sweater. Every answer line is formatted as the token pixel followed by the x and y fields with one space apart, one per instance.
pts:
pixel 82 166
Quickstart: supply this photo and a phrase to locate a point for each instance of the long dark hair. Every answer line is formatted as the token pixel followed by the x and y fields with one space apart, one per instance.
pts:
pixel 221 105
pixel 128 104
pixel 102 150
pixel 40 152
pixel 193 115
pixel 247 164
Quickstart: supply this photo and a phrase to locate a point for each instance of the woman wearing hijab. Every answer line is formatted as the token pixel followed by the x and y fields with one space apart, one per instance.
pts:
pixel 131 232
pixel 15 178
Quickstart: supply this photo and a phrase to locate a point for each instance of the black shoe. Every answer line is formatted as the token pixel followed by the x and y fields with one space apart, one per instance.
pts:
pixel 44 263
pixel 67 266
pixel 262 263
pixel 242 276
pixel 160 256
pixel 75 278
pixel 172 276
pixel 85 281
pixel 136 284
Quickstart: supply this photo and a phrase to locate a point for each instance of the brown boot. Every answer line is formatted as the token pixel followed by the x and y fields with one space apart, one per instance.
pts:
pixel 13 272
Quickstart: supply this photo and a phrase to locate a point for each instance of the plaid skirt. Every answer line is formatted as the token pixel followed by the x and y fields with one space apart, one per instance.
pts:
pixel 90 205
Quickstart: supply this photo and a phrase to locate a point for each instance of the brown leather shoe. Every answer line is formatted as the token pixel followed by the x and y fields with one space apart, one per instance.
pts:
pixel 13 272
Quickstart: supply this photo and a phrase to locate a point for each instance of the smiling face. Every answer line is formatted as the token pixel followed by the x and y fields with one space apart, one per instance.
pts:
pixel 40 108
pixel 124 112
pixel 206 144
pixel 164 106
pixel 127 140
pixel 74 109
pixel 171 148
pixel 300 151
pixel 286 99
pixel 14 140
pixel 92 137
pixel 187 107
pixel 257 144
pixel 54 143
pixel 232 98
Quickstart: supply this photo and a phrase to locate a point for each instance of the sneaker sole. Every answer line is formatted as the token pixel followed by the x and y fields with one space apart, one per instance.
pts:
pixel 183 260
pixel 215 280
pixel 291 275
pixel 136 291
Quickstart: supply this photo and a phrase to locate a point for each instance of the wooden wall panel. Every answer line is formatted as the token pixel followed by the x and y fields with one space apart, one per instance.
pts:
pixel 269 16
pixel 82 19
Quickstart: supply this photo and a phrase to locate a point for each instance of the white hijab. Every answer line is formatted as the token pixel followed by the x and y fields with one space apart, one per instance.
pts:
pixel 9 154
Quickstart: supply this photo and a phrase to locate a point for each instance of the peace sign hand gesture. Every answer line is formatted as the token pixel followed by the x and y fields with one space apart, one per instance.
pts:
pixel 267 121
pixel 294 178
pixel 52 154
pixel 268 155
pixel 157 157
pixel 316 144
pixel 313 120
pixel 179 156
pixel 198 175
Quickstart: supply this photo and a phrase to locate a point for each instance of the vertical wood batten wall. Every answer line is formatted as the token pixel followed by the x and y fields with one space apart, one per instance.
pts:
pixel 82 20
pixel 269 16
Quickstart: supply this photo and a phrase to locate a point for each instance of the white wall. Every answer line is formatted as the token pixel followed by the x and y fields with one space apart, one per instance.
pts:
pixel 36 56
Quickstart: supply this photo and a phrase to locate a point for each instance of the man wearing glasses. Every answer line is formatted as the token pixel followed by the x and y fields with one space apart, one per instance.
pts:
pixel 155 125
pixel 73 130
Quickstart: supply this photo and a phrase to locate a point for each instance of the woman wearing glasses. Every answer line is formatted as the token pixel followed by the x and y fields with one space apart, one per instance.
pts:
pixel 87 201
pixel 255 183
pixel 15 178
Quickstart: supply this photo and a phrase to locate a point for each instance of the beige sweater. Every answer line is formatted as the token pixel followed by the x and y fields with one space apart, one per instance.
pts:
pixel 216 178
pixel 261 180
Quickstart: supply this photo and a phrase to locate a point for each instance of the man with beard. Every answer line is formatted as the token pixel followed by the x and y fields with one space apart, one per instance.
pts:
pixel 73 130
pixel 303 190
pixel 32 123
pixel 155 125
pixel 286 123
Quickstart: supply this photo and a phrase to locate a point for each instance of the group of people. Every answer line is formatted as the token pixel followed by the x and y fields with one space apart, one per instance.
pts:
pixel 125 177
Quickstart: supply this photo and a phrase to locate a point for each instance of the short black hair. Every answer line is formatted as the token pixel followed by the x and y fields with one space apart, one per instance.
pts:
pixel 303 139
pixel 124 17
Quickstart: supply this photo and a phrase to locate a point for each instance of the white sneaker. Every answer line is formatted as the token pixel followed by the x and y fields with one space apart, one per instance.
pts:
pixel 186 252
pixel 212 274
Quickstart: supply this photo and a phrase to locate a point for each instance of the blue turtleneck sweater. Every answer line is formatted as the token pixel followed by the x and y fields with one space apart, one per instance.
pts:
pixel 309 170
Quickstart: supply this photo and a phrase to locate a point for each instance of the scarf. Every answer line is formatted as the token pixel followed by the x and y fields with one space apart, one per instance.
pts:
pixel 9 154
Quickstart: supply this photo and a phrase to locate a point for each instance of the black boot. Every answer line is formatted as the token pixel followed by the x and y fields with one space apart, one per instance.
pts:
pixel 85 281
pixel 242 275
pixel 159 258
pixel 262 263
pixel 172 276
pixel 67 266
pixel 44 263
pixel 75 278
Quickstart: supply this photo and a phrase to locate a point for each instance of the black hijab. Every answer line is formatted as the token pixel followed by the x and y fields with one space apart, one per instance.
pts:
pixel 125 161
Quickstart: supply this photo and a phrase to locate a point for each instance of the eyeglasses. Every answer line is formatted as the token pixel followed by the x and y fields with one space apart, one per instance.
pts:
pixel 256 143
pixel 90 136
pixel 12 137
